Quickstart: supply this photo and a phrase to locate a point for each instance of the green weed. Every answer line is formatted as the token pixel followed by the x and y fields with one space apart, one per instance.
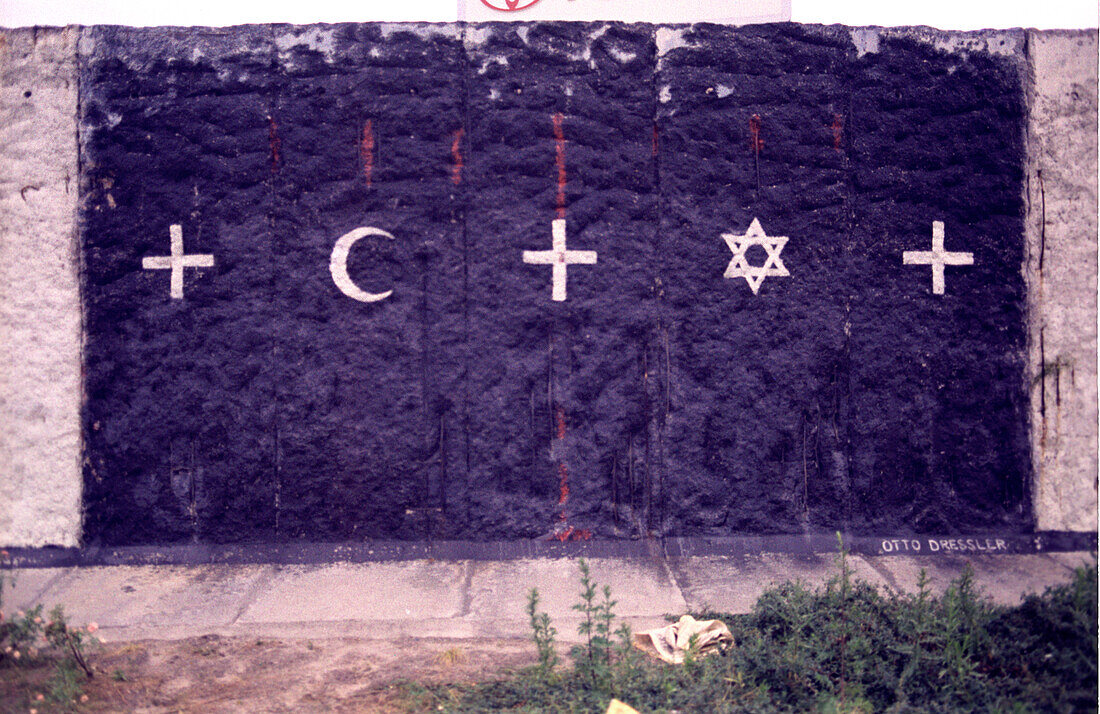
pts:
pixel 845 648
pixel 593 660
pixel 543 634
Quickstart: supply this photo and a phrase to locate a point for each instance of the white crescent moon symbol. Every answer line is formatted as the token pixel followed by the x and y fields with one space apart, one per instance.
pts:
pixel 338 264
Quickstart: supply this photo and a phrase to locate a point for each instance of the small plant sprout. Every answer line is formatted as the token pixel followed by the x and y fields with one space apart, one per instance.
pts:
pixel 543 634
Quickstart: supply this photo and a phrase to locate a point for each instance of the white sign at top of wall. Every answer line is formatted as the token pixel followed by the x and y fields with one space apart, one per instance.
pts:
pixel 16 13
pixel 740 12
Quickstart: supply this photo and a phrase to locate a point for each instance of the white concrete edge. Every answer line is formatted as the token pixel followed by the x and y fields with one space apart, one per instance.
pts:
pixel 41 320
pixel 1060 191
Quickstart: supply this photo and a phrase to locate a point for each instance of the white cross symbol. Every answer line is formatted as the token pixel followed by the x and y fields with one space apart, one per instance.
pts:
pixel 176 262
pixel 937 258
pixel 559 258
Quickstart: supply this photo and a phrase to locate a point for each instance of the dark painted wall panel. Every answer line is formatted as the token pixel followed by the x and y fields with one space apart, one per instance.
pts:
pixel 367 392
pixel 939 400
pixel 758 418
pixel 558 388
pixel 658 397
pixel 179 409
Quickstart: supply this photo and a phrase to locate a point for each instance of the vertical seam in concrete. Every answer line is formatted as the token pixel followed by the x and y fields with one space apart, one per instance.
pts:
pixel 41 591
pixel 78 248
pixel 252 593
pixel 277 412
pixel 883 572
pixel 467 581
pixel 427 403
pixel 1033 314
pixel 658 415
pixel 849 199
pixel 465 212
pixel 672 579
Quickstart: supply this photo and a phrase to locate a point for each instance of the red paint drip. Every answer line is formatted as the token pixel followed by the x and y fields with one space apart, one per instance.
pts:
pixel 561 423
pixel 559 139
pixel 572 533
pixel 838 130
pixel 366 151
pixel 655 140
pixel 754 129
pixel 456 156
pixel 274 142
pixel 563 488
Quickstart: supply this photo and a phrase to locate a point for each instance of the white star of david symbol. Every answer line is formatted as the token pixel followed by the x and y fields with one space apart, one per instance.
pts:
pixel 739 266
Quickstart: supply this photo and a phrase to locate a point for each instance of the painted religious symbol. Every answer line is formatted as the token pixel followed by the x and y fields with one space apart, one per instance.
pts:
pixel 559 258
pixel 338 264
pixel 740 267
pixel 176 262
pixel 937 258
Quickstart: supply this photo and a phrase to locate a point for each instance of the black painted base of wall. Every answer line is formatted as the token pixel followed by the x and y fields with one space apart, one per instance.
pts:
pixel 317 553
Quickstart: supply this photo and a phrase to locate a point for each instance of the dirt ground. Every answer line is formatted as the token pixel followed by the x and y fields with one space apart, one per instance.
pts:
pixel 234 674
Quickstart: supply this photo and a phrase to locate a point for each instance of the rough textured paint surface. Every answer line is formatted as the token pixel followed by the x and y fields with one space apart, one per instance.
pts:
pixel 368 393
pixel 758 399
pixel 939 403
pixel 179 420
pixel 560 126
pixel 658 397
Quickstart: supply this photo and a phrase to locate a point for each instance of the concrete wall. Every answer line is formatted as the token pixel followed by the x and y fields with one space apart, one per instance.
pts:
pixel 40 317
pixel 1061 274
pixel 40 309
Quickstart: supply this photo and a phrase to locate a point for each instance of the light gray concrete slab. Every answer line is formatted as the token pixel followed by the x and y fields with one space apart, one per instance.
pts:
pixel 409 591
pixel 644 589
pixel 1071 561
pixel 445 628
pixel 471 599
pixel 1061 276
pixel 25 588
pixel 733 583
pixel 153 597
pixel 40 315
pixel 1004 579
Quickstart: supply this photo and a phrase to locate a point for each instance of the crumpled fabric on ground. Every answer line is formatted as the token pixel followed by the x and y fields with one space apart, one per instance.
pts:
pixel 617 707
pixel 671 643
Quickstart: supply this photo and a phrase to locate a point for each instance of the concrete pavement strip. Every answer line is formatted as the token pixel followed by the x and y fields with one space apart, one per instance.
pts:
pixel 465 598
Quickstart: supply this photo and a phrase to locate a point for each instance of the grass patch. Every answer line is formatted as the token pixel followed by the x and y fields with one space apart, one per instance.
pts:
pixel 845 648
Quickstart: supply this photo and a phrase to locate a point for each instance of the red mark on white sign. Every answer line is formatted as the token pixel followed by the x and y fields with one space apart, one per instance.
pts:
pixel 508 5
